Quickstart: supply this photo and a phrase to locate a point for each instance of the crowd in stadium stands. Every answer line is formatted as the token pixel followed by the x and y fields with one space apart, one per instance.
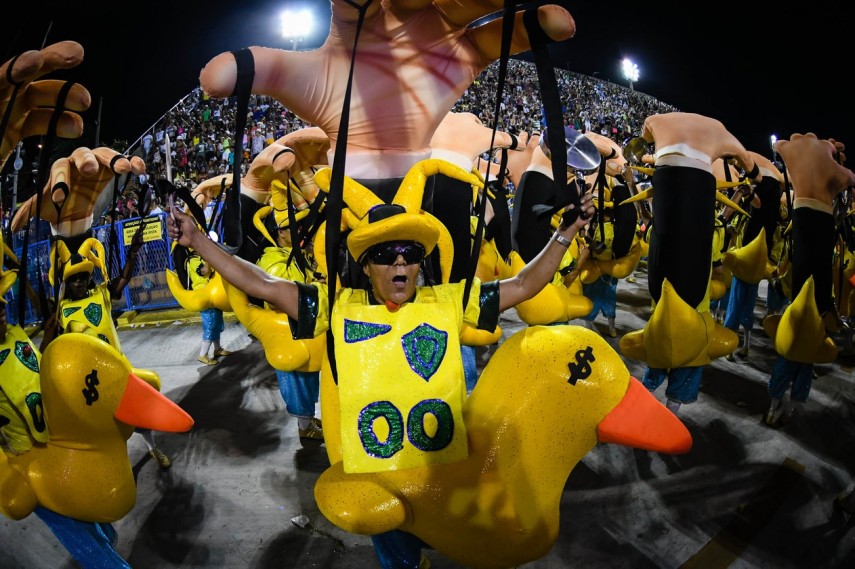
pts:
pixel 200 131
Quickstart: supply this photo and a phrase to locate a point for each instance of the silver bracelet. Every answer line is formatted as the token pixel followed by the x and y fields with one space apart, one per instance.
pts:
pixel 561 239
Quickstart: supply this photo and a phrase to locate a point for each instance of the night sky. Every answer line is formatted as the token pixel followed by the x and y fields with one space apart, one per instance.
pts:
pixel 758 67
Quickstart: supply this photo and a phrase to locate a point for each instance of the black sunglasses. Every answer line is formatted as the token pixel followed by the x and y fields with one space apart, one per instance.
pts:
pixel 387 253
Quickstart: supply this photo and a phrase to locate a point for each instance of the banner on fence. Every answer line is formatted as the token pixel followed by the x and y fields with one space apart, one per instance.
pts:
pixel 152 231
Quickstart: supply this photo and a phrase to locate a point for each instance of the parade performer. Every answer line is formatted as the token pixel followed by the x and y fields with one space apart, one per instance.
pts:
pixel 68 201
pixel 80 486
pixel 390 250
pixel 299 389
pixel 87 308
pixel 556 303
pixel 815 168
pixel 63 486
pixel 200 274
pixel 751 263
pixel 461 139
pixel 398 329
pixel 617 247
pixel 681 333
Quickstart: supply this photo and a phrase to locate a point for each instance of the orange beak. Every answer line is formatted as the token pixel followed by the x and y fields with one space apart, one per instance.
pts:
pixel 640 421
pixel 145 407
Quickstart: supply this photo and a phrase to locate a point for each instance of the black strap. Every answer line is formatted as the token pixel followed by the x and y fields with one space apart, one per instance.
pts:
pixel 296 246
pixel 508 15
pixel 113 244
pixel 335 198
pixel 565 194
pixel 218 212
pixel 41 180
pixel 231 234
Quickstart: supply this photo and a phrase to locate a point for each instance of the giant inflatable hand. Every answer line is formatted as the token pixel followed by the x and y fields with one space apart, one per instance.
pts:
pixel 817 172
pixel 500 506
pixel 413 62
pixel 33 106
pixel 76 182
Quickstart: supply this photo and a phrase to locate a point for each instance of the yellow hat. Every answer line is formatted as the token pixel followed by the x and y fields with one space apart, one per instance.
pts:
pixel 403 219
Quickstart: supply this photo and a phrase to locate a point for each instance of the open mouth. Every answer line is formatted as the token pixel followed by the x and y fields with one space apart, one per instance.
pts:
pixel 399 279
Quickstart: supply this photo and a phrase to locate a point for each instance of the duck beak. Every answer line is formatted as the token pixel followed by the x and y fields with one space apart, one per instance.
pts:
pixel 145 407
pixel 640 421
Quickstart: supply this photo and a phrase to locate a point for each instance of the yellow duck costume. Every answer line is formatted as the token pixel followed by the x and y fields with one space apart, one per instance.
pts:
pixel 268 325
pixel 92 403
pixel 411 455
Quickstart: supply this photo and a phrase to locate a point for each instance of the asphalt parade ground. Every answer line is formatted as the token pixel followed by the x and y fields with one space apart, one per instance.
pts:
pixel 239 493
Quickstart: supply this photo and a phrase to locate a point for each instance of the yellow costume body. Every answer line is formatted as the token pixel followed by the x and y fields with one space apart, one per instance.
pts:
pixel 415 355
pixel 22 421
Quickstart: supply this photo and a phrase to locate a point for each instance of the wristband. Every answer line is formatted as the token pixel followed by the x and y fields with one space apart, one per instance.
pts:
pixel 753 172
pixel 561 240
pixel 515 143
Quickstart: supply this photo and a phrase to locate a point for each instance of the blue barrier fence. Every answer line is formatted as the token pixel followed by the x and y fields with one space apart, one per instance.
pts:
pixel 146 290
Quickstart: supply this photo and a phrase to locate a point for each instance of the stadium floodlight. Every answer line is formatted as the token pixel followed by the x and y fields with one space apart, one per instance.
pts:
pixel 630 71
pixel 296 25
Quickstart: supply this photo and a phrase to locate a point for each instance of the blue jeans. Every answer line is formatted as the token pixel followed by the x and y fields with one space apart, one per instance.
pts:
pixel 212 324
pixel 740 307
pixel 603 295
pixel 92 545
pixel 398 549
pixel 299 390
pixel 683 382
pixel 785 372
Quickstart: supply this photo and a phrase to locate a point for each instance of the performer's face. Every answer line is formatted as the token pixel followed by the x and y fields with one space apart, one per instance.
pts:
pixel 77 285
pixel 393 269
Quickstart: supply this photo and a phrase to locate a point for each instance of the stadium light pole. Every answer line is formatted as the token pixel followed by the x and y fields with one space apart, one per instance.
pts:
pixel 295 25
pixel 630 71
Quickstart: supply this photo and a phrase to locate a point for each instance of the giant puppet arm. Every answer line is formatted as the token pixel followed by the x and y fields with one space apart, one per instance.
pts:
pixel 464 134
pixel 413 62
pixel 35 99
pixel 75 183
pixel 815 166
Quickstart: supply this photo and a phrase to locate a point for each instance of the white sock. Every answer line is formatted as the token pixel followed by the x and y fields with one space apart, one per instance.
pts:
pixel 673 405
pixel 216 346
pixel 206 345
pixel 303 423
